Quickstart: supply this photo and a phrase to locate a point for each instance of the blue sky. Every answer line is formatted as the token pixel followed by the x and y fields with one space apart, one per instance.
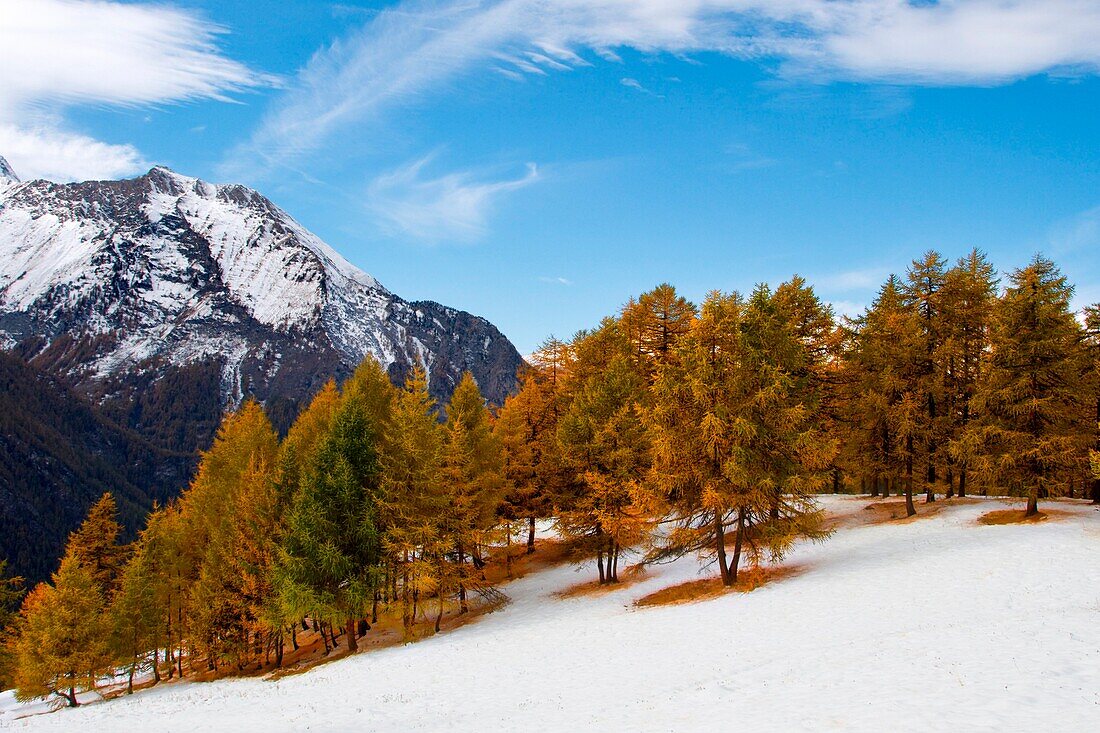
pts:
pixel 539 162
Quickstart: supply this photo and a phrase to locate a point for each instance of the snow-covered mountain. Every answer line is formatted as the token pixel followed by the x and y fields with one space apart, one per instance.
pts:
pixel 117 285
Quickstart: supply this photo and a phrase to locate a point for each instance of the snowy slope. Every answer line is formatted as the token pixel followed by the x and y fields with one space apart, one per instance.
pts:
pixel 938 624
pixel 166 270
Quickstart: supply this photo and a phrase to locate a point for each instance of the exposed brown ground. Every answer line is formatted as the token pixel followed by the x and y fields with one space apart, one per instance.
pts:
pixel 628 577
pixel 748 580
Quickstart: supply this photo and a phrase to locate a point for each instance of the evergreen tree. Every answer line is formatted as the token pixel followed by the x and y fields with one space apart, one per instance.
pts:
pixel 329 561
pixel 1028 438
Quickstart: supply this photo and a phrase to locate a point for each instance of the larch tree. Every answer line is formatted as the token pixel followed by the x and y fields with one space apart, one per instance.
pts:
pixel 884 411
pixel 63 643
pixel 654 324
pixel 474 470
pixel 95 544
pixel 1028 439
pixel 922 294
pixel 1092 342
pixel 604 438
pixel 536 474
pixel 414 498
pixel 218 617
pixel 968 298
pixel 135 612
pixel 696 421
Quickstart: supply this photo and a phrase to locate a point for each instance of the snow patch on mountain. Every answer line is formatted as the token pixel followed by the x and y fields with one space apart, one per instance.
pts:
pixel 167 268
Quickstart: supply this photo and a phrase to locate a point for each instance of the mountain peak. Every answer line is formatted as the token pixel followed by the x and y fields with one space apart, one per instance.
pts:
pixel 6 172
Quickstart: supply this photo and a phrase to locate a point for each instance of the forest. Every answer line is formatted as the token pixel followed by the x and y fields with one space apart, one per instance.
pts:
pixel 669 429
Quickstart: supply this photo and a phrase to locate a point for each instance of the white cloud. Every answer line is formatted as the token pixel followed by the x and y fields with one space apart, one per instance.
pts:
pixel 423 46
pixel 451 207
pixel 51 153
pixel 57 53
pixel 556 280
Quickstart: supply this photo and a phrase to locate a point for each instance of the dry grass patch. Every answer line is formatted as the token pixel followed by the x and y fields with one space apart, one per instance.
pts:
pixel 630 576
pixel 894 511
pixel 1010 516
pixel 512 563
pixel 748 580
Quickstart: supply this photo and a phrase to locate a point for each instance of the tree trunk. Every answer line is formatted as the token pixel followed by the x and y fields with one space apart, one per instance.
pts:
pixel 530 535
pixel 374 608
pixel 71 697
pixel 352 646
pixel 599 563
pixel 439 613
pixel 910 510
pixel 737 544
pixel 962 483
pixel 720 547
pixel 463 607
pixel 1032 504
pixel 279 645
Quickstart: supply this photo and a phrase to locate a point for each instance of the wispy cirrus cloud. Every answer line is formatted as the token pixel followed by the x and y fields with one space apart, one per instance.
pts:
pixel 454 206
pixel 564 281
pixel 60 53
pixel 418 47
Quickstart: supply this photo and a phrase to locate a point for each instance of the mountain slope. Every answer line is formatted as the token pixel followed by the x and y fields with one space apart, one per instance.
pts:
pixel 57 456
pixel 116 285
pixel 978 629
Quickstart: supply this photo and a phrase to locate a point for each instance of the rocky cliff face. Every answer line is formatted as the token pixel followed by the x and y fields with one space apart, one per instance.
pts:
pixel 126 288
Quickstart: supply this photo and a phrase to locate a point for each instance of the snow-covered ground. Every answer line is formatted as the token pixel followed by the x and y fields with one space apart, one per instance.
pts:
pixel 936 624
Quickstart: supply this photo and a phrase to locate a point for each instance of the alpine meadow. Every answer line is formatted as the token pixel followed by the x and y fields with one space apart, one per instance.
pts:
pixel 821 453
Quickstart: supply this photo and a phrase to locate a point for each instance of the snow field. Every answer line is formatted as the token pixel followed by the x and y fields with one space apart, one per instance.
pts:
pixel 934 624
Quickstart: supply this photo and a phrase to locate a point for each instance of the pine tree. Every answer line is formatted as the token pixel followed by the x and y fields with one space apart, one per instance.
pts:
pixel 329 563
pixel 1029 439
pixel 63 644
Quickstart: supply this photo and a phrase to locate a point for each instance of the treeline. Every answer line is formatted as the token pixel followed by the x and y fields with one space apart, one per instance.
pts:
pixel 719 421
